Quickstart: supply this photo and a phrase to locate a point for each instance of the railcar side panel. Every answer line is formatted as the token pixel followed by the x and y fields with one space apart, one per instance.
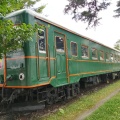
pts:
pixel 56 56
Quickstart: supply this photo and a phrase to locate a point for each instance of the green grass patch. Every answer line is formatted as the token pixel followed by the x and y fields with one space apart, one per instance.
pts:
pixel 73 110
pixel 109 111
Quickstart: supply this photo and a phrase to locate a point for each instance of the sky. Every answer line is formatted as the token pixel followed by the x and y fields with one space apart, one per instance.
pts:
pixel 106 33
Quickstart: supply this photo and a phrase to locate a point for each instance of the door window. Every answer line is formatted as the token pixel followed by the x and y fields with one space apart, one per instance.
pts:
pixel 59 44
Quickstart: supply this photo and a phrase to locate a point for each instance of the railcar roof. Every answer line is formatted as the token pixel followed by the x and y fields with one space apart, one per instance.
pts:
pixel 38 16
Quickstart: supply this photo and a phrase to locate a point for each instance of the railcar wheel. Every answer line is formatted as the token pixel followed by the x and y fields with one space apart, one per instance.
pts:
pixel 76 89
pixel 51 96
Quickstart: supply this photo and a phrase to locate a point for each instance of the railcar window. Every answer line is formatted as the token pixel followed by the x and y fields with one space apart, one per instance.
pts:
pixel 74 48
pixel 107 57
pixel 59 44
pixel 84 50
pixel 16 63
pixel 119 58
pixel 101 55
pixel 94 53
pixel 111 58
pixel 115 58
pixel 41 41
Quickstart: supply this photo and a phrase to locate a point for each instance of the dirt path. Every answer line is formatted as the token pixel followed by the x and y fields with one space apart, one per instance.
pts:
pixel 90 111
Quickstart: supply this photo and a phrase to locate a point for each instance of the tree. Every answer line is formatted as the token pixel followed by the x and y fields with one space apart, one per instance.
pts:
pixel 87 10
pixel 8 6
pixel 117 45
pixel 12 37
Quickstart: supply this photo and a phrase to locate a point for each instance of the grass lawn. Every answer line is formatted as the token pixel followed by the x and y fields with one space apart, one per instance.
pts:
pixel 109 111
pixel 73 110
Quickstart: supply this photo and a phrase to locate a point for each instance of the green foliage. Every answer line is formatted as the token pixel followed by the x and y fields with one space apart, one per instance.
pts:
pixel 7 6
pixel 40 9
pixel 117 45
pixel 61 110
pixel 12 37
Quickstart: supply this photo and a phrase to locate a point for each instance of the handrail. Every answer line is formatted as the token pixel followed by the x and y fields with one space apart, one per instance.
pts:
pixel 55 61
pixel 5 69
pixel 37 61
pixel 49 73
pixel 67 66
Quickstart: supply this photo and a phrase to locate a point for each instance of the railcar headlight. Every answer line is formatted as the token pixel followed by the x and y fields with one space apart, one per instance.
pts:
pixel 21 76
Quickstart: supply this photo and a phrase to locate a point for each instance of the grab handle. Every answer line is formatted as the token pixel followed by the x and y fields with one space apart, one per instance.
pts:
pixel 37 61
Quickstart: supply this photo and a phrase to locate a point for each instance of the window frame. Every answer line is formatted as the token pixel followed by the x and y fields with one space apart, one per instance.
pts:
pixel 63 45
pixel 112 60
pixel 38 36
pixel 94 58
pixel 100 56
pixel 115 60
pixel 85 46
pixel 76 49
pixel 119 58
pixel 107 60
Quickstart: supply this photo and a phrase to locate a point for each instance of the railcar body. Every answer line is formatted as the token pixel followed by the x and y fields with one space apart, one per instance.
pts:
pixel 55 57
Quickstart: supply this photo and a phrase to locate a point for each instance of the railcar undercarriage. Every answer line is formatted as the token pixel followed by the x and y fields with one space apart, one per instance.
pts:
pixel 37 98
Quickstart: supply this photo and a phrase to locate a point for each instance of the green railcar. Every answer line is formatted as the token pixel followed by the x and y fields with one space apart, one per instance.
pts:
pixel 56 58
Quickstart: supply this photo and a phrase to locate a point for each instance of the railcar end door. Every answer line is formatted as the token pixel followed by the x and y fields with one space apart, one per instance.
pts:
pixel 42 61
